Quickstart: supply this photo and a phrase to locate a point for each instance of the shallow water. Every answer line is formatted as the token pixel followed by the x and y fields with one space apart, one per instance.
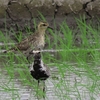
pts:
pixel 67 86
pixel 14 89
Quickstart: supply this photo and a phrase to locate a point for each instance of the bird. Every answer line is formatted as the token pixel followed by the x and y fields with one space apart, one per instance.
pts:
pixel 40 71
pixel 35 41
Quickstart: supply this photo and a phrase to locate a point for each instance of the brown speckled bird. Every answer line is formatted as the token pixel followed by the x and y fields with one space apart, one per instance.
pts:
pixel 35 41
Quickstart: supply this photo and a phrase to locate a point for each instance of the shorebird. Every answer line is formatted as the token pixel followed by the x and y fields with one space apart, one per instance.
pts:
pixel 40 71
pixel 35 41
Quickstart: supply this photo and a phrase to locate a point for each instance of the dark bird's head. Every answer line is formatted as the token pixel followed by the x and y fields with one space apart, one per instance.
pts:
pixel 36 54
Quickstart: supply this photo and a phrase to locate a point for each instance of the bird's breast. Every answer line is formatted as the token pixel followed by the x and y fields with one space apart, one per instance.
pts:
pixel 41 42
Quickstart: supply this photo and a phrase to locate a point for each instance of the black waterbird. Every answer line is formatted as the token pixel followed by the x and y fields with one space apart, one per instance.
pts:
pixel 40 71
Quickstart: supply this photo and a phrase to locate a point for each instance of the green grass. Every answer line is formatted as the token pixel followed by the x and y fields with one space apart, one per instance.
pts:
pixel 77 66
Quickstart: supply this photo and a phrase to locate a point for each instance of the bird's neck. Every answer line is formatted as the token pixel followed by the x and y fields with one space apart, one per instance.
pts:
pixel 41 31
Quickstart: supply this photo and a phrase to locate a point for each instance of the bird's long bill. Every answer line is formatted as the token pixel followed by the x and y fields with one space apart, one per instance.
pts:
pixel 50 27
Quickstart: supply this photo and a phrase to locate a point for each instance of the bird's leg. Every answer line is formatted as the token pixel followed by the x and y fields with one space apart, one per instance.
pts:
pixel 38 83
pixel 44 90
pixel 38 90
pixel 43 86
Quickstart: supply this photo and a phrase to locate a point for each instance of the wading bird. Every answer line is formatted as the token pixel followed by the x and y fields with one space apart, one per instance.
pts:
pixel 35 41
pixel 40 71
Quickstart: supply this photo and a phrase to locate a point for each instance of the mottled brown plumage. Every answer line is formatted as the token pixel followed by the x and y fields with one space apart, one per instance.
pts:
pixel 35 41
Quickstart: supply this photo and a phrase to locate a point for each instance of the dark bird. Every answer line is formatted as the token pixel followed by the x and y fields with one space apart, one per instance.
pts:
pixel 35 41
pixel 40 71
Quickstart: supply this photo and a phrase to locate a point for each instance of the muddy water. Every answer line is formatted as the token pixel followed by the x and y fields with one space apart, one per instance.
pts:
pixel 72 86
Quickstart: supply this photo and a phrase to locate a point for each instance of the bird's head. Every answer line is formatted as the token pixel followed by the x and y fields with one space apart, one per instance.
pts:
pixel 36 54
pixel 43 26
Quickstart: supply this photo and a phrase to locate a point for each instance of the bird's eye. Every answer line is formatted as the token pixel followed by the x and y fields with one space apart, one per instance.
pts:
pixel 44 25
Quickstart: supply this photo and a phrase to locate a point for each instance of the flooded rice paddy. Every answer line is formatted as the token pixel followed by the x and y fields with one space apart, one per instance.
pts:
pixel 72 84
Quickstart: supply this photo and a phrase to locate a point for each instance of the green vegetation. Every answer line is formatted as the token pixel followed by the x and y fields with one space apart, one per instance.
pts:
pixel 78 72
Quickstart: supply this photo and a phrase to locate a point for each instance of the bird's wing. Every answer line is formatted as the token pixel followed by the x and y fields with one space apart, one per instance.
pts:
pixel 23 45
pixel 26 43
